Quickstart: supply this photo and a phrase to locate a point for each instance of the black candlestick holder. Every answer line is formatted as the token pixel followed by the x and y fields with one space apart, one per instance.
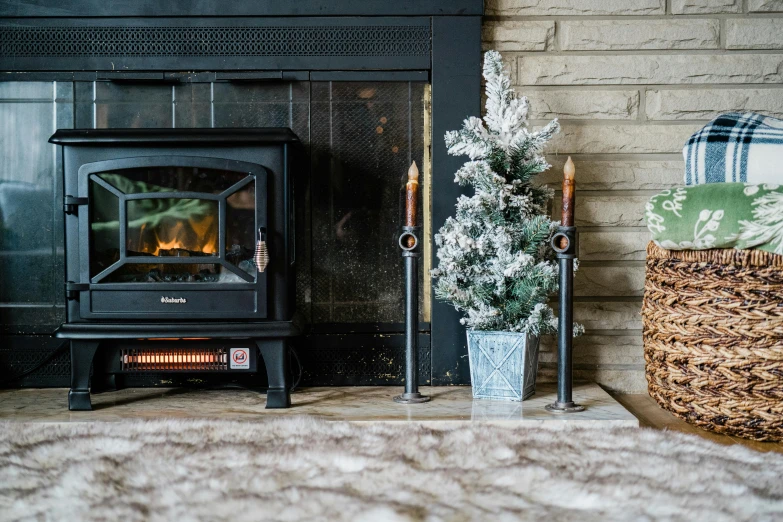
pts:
pixel 564 242
pixel 411 255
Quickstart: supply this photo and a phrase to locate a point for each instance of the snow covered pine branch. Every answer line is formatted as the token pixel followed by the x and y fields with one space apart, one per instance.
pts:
pixel 495 261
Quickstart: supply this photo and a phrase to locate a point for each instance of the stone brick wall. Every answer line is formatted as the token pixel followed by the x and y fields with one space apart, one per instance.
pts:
pixel 630 80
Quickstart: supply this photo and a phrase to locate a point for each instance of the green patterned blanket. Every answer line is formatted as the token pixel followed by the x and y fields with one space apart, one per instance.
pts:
pixel 718 215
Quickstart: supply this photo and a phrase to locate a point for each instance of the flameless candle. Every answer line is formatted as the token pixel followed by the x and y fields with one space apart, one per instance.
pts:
pixel 568 193
pixel 567 219
pixel 411 198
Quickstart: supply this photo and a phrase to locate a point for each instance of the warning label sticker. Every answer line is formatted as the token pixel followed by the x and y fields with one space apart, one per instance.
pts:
pixel 239 358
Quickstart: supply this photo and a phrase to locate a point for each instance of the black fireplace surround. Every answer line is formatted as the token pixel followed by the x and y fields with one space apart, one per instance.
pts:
pixel 161 181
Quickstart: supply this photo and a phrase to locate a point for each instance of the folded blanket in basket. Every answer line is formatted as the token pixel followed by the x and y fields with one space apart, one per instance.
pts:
pixel 719 215
pixel 745 147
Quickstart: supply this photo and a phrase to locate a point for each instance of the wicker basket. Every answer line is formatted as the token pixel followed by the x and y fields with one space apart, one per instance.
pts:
pixel 713 338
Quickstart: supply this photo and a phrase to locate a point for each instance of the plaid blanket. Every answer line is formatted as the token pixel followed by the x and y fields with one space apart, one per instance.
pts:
pixel 745 147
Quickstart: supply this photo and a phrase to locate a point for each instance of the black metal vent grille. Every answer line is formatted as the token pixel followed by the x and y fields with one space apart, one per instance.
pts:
pixel 19 354
pixel 394 40
pixel 173 359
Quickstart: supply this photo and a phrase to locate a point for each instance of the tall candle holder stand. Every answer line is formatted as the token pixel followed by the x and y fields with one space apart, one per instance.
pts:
pixel 411 254
pixel 564 242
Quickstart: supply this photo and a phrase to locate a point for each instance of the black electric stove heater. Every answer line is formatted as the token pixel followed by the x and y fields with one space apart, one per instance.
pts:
pixel 167 237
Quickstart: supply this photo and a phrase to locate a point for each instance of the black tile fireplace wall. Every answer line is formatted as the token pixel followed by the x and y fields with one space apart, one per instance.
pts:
pixel 361 137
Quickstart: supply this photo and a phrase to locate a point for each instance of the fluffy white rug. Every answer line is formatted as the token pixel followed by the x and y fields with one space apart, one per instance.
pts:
pixel 309 469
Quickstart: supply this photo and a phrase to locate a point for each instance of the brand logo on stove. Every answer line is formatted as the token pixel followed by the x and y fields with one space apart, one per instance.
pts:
pixel 173 300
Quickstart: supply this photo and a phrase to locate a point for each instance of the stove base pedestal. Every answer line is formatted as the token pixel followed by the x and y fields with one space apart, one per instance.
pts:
pixel 271 340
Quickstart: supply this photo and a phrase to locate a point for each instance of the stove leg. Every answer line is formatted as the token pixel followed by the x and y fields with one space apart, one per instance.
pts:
pixel 276 362
pixel 82 354
pixel 104 383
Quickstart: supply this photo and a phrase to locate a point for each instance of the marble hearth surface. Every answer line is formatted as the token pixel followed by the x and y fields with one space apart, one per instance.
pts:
pixel 357 404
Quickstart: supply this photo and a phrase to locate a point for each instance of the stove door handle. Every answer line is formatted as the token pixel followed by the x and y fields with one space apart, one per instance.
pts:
pixel 261 256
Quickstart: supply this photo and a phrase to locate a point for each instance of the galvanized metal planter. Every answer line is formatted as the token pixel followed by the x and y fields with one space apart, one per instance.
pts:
pixel 503 365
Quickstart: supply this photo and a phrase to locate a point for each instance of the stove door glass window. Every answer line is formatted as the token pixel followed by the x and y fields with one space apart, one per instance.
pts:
pixel 164 224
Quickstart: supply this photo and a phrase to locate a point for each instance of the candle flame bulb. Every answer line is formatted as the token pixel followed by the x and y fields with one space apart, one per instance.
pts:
pixel 569 170
pixel 413 173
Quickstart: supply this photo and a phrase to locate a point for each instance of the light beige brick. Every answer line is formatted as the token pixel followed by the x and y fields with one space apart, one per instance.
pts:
pixel 616 174
pixel 518 36
pixel 621 380
pixel 606 210
pixel 629 381
pixel 706 6
pixel 608 315
pixel 765 6
pixel 510 62
pixel 613 246
pixel 754 33
pixel 686 104
pixel 598 350
pixel 547 372
pixel 612 211
pixel 583 105
pixel 574 7
pixel 655 69
pixel 621 138
pixel 618 380
pixel 590 35
pixel 609 281
pixel 614 361
pixel 619 211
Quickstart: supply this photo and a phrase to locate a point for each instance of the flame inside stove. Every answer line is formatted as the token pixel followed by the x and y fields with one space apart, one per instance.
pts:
pixel 193 235
pixel 179 236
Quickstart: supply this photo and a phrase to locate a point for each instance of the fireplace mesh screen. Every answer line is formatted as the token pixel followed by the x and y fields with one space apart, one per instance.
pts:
pixel 363 138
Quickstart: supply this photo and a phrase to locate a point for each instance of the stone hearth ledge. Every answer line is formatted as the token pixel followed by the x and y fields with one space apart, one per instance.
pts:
pixel 449 405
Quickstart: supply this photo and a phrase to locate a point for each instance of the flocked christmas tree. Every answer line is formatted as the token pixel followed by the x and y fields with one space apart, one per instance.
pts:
pixel 495 261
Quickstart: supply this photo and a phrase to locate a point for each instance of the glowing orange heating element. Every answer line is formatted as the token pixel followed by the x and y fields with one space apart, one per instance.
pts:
pixel 173 360
pixel 158 358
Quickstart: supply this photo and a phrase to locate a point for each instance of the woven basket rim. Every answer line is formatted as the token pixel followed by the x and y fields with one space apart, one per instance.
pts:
pixel 717 256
